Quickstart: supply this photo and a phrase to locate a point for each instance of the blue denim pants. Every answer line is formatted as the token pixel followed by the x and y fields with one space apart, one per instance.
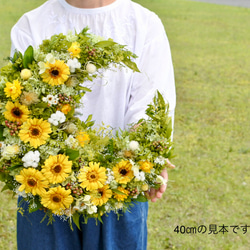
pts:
pixel 128 233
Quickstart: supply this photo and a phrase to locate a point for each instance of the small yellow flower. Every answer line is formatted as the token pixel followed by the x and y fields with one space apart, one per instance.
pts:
pixel 57 168
pixel 92 177
pixel 146 166
pixel 35 131
pixel 16 112
pixel 56 74
pixel 123 172
pixel 74 49
pixel 121 197
pixel 25 74
pixel 13 90
pixel 101 195
pixel 32 181
pixel 66 108
pixel 56 199
pixel 83 138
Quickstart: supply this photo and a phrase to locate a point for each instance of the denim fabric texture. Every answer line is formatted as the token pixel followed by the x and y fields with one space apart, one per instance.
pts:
pixel 127 233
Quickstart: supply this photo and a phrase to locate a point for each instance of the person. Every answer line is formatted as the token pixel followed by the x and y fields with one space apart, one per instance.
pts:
pixel 118 99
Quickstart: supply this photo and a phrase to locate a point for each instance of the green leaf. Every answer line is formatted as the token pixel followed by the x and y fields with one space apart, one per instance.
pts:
pixel 76 220
pixel 131 65
pixel 118 191
pixel 37 206
pixel 7 187
pixel 103 44
pixel 141 198
pixel 28 57
pixel 73 154
pixel 1 133
pixel 15 166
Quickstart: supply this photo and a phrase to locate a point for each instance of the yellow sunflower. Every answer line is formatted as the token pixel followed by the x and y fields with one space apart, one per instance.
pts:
pixel 83 138
pixel 121 197
pixel 57 198
pixel 13 90
pixel 92 177
pixel 57 168
pixel 74 49
pixel 16 112
pixel 35 131
pixel 101 195
pixel 32 181
pixel 56 74
pixel 123 172
pixel 146 166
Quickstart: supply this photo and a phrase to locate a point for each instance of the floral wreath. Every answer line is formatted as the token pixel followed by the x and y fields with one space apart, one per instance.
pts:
pixel 63 165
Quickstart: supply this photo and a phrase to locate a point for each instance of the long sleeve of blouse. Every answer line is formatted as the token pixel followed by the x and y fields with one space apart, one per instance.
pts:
pixel 118 98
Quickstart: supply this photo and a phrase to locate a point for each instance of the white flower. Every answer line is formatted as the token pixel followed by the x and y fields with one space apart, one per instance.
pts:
pixel 50 58
pixel 160 160
pixel 133 145
pixel 71 142
pixel 10 151
pixel 42 67
pixel 118 205
pixel 70 37
pixel 71 128
pixel 91 68
pixel 57 118
pixel 110 176
pixel 92 209
pixel 86 199
pixel 73 64
pixel 31 159
pixel 161 180
pixel 135 169
pixel 51 99
pixel 140 176
pixel 22 194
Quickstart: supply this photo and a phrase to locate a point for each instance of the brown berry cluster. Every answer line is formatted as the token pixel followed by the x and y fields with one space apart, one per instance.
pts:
pixel 75 189
pixel 14 127
pixel 159 145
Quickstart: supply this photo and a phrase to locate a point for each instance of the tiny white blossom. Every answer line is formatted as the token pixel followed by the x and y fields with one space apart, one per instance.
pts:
pixel 19 193
pixel 31 159
pixel 73 64
pixel 160 160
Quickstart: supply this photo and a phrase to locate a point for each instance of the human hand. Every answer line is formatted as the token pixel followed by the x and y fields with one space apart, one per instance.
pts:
pixel 155 194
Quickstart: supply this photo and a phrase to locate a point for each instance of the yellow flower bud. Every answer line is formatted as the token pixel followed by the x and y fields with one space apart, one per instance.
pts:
pixel 144 187
pixel 26 74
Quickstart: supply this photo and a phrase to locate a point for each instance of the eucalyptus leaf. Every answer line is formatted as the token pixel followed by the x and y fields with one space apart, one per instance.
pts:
pixel 28 57
pixel 103 44
pixel 73 154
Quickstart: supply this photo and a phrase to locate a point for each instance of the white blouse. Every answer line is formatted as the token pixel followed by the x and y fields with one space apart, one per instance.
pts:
pixel 120 97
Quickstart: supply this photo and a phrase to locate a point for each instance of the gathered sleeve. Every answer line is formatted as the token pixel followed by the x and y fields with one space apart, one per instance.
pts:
pixel 155 64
